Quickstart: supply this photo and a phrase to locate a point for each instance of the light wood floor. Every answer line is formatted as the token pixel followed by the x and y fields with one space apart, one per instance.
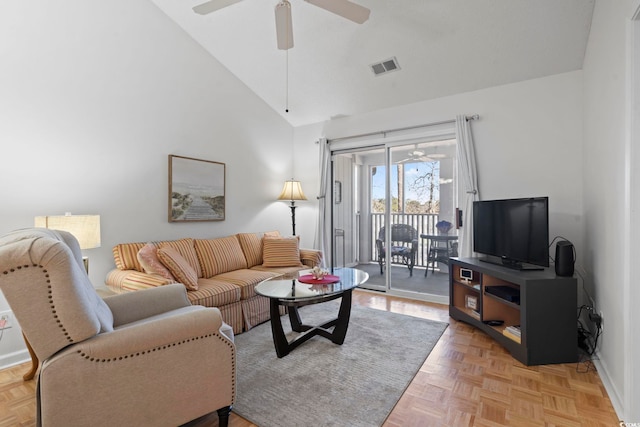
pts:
pixel 467 380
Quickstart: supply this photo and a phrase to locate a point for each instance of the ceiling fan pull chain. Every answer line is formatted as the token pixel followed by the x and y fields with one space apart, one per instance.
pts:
pixel 289 31
pixel 284 31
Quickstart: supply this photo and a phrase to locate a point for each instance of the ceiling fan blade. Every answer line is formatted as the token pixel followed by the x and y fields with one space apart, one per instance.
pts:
pixel 213 5
pixel 284 30
pixel 344 8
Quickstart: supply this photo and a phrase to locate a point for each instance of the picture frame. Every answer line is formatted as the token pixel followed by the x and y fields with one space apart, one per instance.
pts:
pixel 471 302
pixel 466 275
pixel 196 189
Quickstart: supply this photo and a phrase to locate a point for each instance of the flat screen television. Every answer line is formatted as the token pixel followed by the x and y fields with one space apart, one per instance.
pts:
pixel 513 232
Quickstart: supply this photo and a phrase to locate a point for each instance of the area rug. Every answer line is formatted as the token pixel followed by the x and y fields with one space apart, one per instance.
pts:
pixel 324 384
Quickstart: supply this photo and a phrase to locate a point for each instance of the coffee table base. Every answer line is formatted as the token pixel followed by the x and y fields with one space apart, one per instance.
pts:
pixel 340 324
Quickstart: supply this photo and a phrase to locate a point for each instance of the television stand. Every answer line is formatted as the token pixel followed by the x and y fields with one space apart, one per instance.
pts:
pixel 532 314
pixel 512 264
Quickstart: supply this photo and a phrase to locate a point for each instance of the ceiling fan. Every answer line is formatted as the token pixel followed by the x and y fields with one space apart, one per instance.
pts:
pixel 345 8
pixel 417 155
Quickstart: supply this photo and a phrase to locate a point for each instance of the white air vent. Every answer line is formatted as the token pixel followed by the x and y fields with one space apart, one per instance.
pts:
pixel 385 66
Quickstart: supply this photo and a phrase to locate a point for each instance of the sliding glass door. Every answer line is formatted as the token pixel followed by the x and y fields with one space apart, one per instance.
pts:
pixel 396 193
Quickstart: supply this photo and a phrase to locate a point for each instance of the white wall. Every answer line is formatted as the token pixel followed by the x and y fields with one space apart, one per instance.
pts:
pixel 528 141
pixel 606 196
pixel 632 294
pixel 564 136
pixel 95 95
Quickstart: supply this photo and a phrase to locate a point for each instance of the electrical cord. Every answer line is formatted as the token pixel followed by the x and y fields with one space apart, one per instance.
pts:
pixel 587 342
pixel 587 363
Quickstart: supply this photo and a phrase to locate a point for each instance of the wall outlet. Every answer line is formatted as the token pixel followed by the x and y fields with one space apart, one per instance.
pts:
pixel 596 318
pixel 601 323
pixel 6 320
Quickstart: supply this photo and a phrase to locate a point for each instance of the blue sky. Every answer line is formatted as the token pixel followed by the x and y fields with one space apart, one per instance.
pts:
pixel 412 170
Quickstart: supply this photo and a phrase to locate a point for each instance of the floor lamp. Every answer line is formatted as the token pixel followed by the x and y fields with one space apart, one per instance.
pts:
pixel 292 191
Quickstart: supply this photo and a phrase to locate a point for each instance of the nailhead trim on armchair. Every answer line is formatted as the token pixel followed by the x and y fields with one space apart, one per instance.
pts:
pixel 50 296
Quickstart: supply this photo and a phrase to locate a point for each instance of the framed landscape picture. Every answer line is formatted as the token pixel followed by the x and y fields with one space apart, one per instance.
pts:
pixel 196 189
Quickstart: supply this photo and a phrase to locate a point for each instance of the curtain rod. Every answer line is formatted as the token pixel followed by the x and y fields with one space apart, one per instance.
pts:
pixel 383 132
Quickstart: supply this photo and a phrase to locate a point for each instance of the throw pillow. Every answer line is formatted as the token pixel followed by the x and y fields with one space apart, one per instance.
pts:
pixel 179 267
pixel 185 247
pixel 280 252
pixel 125 256
pixel 148 258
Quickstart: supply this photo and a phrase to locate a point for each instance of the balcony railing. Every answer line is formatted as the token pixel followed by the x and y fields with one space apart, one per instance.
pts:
pixel 423 223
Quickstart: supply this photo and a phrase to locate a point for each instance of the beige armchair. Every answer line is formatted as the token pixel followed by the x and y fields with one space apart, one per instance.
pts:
pixel 146 358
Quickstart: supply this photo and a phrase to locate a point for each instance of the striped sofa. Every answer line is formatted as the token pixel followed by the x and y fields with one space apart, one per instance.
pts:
pixel 227 268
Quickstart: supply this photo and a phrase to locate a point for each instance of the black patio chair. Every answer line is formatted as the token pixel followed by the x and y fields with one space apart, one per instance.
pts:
pixel 403 247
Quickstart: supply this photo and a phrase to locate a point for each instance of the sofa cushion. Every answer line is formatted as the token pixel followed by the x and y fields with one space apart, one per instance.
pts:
pixel 185 247
pixel 125 256
pixel 214 293
pixel 179 267
pixel 148 259
pixel 280 252
pixel 220 255
pixel 251 244
pixel 246 280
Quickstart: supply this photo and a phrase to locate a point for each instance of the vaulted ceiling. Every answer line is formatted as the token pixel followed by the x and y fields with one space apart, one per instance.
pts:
pixel 443 47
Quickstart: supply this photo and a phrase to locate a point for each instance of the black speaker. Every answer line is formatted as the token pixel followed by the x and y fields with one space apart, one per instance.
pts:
pixel 565 258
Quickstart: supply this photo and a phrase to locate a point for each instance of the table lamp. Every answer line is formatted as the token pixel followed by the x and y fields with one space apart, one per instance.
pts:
pixel 292 191
pixel 85 228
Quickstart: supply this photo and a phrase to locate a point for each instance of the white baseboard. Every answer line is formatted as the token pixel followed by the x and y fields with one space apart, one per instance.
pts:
pixel 15 358
pixel 612 391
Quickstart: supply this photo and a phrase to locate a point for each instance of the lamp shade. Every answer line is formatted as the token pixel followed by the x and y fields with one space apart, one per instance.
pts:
pixel 292 190
pixel 85 228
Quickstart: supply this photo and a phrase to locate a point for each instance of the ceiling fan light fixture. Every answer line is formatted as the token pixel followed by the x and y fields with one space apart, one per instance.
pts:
pixel 213 5
pixel 284 30
pixel 346 9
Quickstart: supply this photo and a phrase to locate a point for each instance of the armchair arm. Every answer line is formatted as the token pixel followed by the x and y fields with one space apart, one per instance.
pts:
pixel 161 371
pixel 153 333
pixel 132 306
pixel 132 280
pixel 311 257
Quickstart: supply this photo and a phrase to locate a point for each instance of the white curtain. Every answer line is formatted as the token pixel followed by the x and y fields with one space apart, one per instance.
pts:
pixel 323 233
pixel 468 177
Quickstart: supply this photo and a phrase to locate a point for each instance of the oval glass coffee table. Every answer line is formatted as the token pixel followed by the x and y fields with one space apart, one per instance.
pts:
pixel 292 293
